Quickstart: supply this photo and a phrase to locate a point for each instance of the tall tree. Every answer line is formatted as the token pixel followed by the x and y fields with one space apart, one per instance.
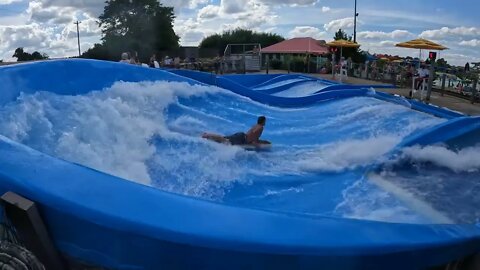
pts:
pixel 239 36
pixel 340 34
pixel 142 26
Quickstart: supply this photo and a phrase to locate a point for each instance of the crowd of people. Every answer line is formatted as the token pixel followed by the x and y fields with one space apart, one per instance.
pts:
pixel 175 62
pixel 154 62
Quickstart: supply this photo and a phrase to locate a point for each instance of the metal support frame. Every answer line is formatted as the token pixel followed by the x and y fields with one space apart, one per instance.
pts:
pixel 31 230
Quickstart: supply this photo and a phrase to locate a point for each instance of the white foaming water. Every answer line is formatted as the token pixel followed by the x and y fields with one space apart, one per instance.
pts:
pixel 108 130
pixel 349 154
pixel 123 131
pixel 466 159
pixel 362 201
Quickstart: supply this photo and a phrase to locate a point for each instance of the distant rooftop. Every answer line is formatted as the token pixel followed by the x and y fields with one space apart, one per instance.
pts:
pixel 305 45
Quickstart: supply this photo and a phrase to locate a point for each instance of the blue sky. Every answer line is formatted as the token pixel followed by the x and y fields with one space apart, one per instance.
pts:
pixel 47 25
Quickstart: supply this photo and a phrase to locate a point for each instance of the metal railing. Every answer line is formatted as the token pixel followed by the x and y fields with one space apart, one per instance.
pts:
pixel 460 84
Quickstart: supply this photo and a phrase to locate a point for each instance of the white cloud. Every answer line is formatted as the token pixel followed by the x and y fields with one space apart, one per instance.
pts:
pixel 291 2
pixel 307 31
pixel 396 34
pixel 47 26
pixel 228 15
pixel 8 2
pixel 470 43
pixel 193 36
pixel 446 32
pixel 387 43
pixel 179 4
pixel 345 23
pixel 93 7
pixel 325 9
pixel 52 14
pixel 28 36
pixel 233 6
pixel 460 58
pixel 208 12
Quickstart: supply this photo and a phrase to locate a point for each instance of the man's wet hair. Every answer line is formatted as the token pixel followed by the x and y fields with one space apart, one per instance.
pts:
pixel 261 120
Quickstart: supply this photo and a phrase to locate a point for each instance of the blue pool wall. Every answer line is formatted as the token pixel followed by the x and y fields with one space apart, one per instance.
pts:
pixel 106 221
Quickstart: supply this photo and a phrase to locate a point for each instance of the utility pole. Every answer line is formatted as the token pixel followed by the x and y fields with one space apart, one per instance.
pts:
pixel 78 36
pixel 355 23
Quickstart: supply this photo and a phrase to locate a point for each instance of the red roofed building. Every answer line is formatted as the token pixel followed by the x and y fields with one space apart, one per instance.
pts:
pixel 306 45
pixel 295 53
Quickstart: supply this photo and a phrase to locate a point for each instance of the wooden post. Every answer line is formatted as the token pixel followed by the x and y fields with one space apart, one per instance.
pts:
pixel 430 80
pixel 268 62
pixel 244 60
pixel 308 63
pixel 474 91
pixel 333 65
pixel 288 63
pixel 444 79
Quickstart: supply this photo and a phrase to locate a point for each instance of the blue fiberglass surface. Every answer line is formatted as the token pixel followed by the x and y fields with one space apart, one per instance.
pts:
pixel 308 202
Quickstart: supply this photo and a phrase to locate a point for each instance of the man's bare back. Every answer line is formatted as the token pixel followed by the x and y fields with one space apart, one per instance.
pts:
pixel 254 134
pixel 251 137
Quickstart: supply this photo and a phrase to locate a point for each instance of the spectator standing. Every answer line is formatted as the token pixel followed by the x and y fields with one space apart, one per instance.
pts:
pixel 134 58
pixel 125 58
pixel 153 60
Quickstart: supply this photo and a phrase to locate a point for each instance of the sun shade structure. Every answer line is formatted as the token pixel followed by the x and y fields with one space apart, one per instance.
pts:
pixel 342 43
pixel 298 46
pixel 422 44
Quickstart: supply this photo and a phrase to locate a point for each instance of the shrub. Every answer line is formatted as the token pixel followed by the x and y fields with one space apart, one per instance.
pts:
pixel 275 64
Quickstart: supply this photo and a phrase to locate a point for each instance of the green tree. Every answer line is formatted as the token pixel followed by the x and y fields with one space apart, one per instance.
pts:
pixel 239 36
pixel 143 26
pixel 21 55
pixel 442 63
pixel 340 34
pixel 356 54
pixel 99 51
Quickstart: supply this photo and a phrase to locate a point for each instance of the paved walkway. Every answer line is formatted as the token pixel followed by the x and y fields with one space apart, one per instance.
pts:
pixel 453 103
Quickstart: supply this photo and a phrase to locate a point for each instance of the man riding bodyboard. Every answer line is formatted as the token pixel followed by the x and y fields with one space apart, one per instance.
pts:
pixel 251 138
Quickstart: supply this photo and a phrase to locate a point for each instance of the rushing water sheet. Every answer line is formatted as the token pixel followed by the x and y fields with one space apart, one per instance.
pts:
pixel 150 133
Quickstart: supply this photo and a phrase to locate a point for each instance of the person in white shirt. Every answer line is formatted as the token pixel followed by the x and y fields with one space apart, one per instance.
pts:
pixel 423 74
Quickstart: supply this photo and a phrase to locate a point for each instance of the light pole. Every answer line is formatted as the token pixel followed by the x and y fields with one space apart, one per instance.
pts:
pixel 78 37
pixel 355 23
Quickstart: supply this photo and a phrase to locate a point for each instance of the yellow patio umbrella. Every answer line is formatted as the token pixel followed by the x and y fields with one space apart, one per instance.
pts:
pixel 422 44
pixel 342 43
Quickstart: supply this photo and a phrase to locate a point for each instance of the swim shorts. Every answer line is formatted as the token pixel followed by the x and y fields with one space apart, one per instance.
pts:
pixel 237 138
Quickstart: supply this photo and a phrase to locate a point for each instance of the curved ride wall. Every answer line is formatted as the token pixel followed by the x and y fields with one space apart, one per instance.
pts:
pixel 119 224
